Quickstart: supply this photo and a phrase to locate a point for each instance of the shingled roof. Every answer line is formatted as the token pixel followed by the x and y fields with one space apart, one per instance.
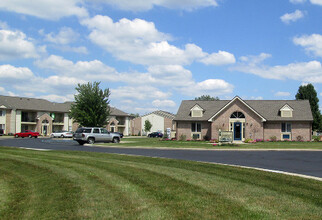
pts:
pixel 13 102
pixel 117 112
pixel 162 114
pixel 267 109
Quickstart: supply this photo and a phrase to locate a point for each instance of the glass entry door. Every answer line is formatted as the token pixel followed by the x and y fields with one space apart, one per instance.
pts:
pixel 237 131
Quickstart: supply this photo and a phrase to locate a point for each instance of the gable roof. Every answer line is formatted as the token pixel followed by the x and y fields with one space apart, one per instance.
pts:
pixel 267 109
pixel 242 101
pixel 23 103
pixel 163 114
pixel 117 112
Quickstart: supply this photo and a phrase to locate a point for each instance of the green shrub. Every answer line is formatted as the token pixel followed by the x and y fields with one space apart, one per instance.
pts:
pixel 183 137
pixel 273 138
pixel 299 138
pixel 316 138
pixel 248 140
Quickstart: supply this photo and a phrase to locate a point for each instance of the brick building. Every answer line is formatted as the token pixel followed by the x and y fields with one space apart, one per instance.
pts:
pixel 255 119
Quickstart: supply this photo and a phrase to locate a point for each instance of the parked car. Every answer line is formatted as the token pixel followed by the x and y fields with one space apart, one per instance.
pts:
pixel 62 134
pixel 27 133
pixel 121 134
pixel 94 134
pixel 155 134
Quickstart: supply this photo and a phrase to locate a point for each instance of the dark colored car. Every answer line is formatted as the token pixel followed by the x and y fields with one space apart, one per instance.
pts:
pixel 155 134
pixel 26 133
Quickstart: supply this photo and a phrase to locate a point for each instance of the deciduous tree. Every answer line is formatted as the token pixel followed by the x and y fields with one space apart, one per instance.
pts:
pixel 308 92
pixel 91 105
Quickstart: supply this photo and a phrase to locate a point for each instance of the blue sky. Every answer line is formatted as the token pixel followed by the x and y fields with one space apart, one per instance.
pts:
pixel 152 54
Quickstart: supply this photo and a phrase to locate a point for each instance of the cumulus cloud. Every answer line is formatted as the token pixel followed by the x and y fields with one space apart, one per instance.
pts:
pixel 14 44
pixel 311 43
pixel 144 5
pixel 220 58
pixel 279 94
pixel 138 92
pixel 51 10
pixel 301 71
pixel 163 103
pixel 66 35
pixel 139 42
pixel 292 17
pixel 316 2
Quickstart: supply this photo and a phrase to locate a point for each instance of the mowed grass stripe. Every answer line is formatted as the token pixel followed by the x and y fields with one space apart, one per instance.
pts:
pixel 126 187
pixel 106 194
pixel 41 192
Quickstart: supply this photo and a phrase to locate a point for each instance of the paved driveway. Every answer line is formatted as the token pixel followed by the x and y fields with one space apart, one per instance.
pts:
pixel 300 162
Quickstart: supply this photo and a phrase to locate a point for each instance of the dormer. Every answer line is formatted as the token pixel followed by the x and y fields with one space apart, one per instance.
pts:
pixel 196 111
pixel 286 111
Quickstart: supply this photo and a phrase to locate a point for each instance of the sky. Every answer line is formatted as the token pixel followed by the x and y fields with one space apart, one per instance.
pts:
pixel 152 54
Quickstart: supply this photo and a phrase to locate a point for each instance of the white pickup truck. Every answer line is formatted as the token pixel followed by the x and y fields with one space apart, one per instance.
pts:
pixel 91 135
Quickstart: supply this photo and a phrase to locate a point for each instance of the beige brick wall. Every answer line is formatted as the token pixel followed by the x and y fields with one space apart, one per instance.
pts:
pixel 168 123
pixel 184 128
pixel 298 129
pixel 136 126
pixel 8 121
pixel 253 125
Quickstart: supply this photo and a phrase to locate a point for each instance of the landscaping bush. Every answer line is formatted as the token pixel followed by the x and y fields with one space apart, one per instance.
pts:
pixel 316 138
pixel 273 138
pixel 183 137
pixel 248 140
pixel 299 138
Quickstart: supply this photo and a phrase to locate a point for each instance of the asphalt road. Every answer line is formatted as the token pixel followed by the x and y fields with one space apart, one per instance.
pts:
pixel 299 162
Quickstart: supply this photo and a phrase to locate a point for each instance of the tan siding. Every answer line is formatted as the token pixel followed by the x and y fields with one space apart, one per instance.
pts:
pixel 8 121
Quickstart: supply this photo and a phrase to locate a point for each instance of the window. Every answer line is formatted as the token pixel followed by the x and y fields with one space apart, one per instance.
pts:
pixel 2 112
pixel 104 131
pixel 195 127
pixel 286 127
pixel 237 115
pixel 96 131
pixel 2 126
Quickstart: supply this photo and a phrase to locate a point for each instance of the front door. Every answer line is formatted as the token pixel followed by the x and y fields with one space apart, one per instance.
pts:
pixel 44 131
pixel 237 131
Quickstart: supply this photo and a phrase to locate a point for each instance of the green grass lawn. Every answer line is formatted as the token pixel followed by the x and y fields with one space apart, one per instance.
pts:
pixel 82 185
pixel 157 142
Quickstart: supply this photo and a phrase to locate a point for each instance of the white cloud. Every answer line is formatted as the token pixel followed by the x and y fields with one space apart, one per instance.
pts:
pixel 144 5
pixel 138 92
pixel 51 10
pixel 8 72
pixel 282 94
pixel 297 1
pixel 139 42
pixel 163 103
pixel 67 48
pixel 302 71
pixel 213 87
pixel 66 35
pixel 220 58
pixel 14 44
pixel 292 17
pixel 311 43
pixel 57 98
pixel 316 2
